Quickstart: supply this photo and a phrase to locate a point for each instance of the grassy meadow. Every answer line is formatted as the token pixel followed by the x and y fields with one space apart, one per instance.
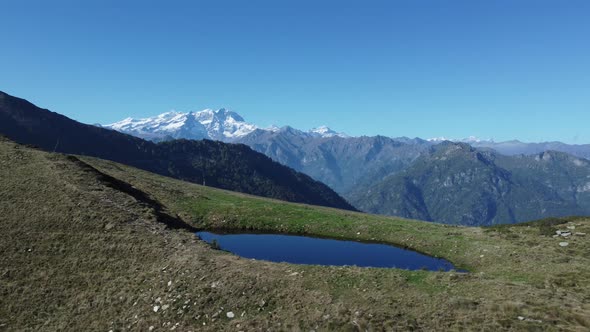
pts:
pixel 90 244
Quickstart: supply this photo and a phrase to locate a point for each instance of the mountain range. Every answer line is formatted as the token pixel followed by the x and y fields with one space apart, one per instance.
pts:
pixel 220 125
pixel 456 183
pixel 228 126
pixel 466 181
pixel 480 183
pixel 228 166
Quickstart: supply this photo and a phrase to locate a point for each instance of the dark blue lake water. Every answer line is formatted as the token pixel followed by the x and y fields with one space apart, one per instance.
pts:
pixel 319 251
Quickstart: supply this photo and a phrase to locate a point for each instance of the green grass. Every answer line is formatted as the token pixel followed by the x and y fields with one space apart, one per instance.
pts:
pixel 101 259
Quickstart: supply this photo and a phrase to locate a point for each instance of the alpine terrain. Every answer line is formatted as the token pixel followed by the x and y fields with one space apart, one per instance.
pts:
pixel 228 166
pixel 468 181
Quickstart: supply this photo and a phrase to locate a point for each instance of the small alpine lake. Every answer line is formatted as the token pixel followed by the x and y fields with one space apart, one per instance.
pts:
pixel 299 249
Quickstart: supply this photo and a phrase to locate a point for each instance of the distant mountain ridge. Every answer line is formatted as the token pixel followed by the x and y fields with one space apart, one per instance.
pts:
pixel 221 125
pixel 457 184
pixel 228 126
pixel 228 166
pixel 479 182
pixel 443 181
pixel 340 162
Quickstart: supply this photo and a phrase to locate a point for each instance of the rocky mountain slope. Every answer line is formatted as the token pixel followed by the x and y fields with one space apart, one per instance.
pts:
pixel 228 166
pixel 343 163
pixel 457 184
pixel 516 147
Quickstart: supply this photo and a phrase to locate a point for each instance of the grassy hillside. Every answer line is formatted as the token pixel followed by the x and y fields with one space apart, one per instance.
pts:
pixel 94 245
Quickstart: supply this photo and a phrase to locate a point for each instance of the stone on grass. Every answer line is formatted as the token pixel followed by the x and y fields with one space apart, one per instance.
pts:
pixel 230 314
pixel 563 244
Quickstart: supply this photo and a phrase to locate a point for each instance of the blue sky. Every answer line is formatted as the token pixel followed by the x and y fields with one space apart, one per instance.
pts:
pixel 494 69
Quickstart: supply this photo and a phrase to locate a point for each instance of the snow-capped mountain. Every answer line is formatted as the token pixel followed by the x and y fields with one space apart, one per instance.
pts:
pixel 167 125
pixel 324 131
pixel 224 125
pixel 221 125
pixel 468 140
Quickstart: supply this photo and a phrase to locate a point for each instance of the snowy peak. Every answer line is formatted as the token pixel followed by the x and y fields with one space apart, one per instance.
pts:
pixel 220 115
pixel 219 124
pixel 222 125
pixel 470 139
pixel 324 131
pixel 170 124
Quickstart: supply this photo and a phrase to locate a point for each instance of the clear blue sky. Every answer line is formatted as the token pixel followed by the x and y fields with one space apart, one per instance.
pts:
pixel 503 69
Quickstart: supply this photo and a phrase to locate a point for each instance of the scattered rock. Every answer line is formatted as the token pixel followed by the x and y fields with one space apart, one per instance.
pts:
pixel 529 319
pixel 165 306
pixel 293 274
pixel 230 314
pixel 156 308
pixel 579 234
pixel 558 232
pixel 151 328
pixel 169 283
pixel 566 234
pixel 571 227
pixel 215 284
pixel 564 244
